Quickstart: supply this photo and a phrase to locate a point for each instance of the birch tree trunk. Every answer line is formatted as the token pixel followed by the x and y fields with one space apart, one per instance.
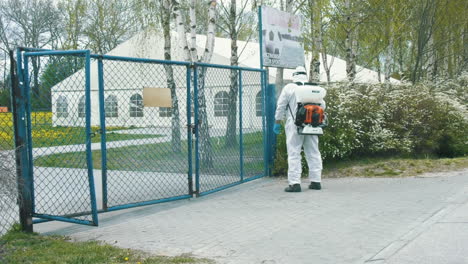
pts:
pixel 191 55
pixel 389 54
pixel 193 32
pixel 464 63
pixel 431 60
pixel 325 65
pixel 379 70
pixel 349 43
pixel 389 59
pixel 181 30
pixel 175 121
pixel 206 150
pixel 231 132
pixel 314 69
pixel 323 52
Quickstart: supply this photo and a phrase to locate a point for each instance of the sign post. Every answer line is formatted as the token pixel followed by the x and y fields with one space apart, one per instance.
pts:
pixel 280 46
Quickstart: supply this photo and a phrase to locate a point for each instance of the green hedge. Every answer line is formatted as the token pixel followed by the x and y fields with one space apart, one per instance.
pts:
pixel 366 120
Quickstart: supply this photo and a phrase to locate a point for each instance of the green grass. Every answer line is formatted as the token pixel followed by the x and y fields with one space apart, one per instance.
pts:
pixel 20 247
pixel 76 135
pixel 392 166
pixel 160 157
pixel 46 135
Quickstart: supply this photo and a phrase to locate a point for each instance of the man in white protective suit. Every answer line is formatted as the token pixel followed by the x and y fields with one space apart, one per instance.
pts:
pixel 295 141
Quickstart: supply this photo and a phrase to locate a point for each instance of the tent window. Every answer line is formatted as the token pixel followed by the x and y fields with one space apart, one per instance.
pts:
pixel 165 111
pixel 258 104
pixel 62 107
pixel 82 107
pixel 272 36
pixel 136 106
pixel 111 106
pixel 221 104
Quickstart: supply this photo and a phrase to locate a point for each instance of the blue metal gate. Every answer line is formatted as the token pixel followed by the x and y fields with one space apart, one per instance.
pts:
pixel 58 193
pixel 93 146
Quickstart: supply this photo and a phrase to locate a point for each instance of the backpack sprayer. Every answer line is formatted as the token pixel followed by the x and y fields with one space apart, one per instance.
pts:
pixel 310 116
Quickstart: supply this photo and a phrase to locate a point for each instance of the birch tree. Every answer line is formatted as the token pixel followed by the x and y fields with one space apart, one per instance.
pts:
pixel 350 42
pixel 206 151
pixel 175 111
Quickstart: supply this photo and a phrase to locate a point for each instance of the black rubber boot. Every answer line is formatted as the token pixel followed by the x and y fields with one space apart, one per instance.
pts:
pixel 315 186
pixel 293 188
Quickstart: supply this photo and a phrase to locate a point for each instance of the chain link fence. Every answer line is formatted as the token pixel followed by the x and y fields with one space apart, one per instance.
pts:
pixel 230 137
pixel 94 141
pixel 155 164
pixel 57 124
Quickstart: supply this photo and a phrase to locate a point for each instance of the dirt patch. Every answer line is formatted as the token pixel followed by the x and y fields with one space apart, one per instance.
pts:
pixel 394 167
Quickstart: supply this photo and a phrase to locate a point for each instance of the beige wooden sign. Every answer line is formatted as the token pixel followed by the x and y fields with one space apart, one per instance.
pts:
pixel 157 97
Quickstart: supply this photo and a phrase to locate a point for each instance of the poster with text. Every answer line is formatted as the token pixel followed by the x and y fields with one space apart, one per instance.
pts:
pixel 281 39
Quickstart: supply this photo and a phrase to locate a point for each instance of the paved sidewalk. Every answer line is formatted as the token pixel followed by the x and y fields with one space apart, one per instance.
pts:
pixel 352 220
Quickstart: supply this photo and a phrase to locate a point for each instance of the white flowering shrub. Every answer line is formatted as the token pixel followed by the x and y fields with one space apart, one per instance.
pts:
pixel 426 118
pixel 8 191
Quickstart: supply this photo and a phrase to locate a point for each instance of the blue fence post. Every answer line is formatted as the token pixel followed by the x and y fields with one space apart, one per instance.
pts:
pixel 197 143
pixel 89 157
pixel 271 105
pixel 189 130
pixel 266 126
pixel 19 112
pixel 102 118
pixel 241 136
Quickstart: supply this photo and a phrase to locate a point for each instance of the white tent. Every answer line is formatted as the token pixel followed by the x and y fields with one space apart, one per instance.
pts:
pixel 150 44
pixel 124 82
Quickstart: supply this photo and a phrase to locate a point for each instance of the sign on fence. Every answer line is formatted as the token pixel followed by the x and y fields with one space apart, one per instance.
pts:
pixel 157 97
pixel 281 39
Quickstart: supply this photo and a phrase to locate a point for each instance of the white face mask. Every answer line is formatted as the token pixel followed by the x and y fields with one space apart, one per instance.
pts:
pixel 300 78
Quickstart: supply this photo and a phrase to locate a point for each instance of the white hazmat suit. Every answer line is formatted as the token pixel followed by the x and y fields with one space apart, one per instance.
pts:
pixel 294 141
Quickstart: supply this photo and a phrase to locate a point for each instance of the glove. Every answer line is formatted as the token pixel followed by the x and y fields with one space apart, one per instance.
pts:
pixel 277 129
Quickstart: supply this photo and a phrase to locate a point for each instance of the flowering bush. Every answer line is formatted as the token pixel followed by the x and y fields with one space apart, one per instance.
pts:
pixel 364 119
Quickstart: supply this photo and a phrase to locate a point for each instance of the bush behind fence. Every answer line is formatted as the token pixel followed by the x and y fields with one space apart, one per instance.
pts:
pixel 429 118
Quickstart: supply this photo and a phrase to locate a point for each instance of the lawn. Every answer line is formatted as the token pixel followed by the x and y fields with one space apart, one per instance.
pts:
pixel 46 135
pixel 19 247
pixel 160 157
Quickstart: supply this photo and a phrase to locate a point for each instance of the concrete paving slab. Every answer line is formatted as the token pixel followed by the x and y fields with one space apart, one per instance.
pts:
pixel 443 243
pixel 351 220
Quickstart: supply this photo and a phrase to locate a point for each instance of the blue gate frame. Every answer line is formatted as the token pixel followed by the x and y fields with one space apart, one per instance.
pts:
pixel 193 136
pixel 23 67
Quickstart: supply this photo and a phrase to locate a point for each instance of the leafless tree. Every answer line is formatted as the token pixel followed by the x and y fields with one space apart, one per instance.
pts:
pixel 109 23
pixel 32 23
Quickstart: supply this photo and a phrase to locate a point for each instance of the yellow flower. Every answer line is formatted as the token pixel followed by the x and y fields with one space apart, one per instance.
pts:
pixel 126 258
